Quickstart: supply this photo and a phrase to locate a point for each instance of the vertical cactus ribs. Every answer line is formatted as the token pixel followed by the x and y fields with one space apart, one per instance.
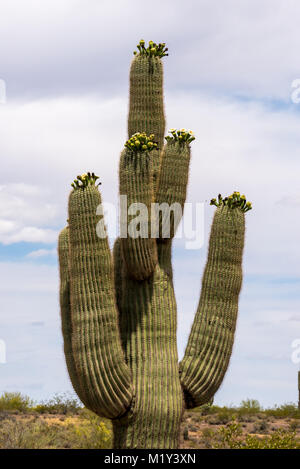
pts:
pixel 118 311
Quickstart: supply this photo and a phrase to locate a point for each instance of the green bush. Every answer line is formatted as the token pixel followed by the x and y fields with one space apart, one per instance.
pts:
pixel 59 404
pixel 261 427
pixel 280 439
pixel 15 401
pixel 222 416
pixel 186 433
pixel 92 432
pixel 284 411
pixel 208 433
pixel 249 406
pixel 231 437
pixel 294 425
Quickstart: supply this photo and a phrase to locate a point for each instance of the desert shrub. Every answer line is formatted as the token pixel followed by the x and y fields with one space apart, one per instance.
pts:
pixel 92 432
pixel 207 438
pixel 280 439
pixel 223 416
pixel 261 427
pixel 206 409
pixel 249 406
pixel 284 411
pixel 208 432
pixel 294 425
pixel 231 437
pixel 186 433
pixel 193 428
pixel 197 418
pixel 246 417
pixel 15 401
pixel 59 404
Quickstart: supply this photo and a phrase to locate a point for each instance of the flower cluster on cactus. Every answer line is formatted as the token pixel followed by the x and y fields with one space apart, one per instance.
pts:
pixel 153 50
pixel 86 179
pixel 140 141
pixel 235 200
pixel 181 136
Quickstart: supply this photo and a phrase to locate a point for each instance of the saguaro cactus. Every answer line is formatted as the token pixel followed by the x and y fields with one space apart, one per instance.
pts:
pixel 119 311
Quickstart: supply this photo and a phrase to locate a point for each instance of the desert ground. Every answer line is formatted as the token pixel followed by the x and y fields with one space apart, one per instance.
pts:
pixel 62 423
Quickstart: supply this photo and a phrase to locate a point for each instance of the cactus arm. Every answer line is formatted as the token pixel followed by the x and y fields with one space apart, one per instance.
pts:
pixel 211 340
pixel 146 103
pixel 96 342
pixel 66 322
pixel 172 184
pixel 136 182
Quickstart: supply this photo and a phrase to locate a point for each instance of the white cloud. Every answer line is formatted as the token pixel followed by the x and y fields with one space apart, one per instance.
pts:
pixel 254 149
pixel 6 226
pixel 247 48
pixel 41 253
pixel 80 135
pixel 244 146
pixel 21 207
pixel 31 234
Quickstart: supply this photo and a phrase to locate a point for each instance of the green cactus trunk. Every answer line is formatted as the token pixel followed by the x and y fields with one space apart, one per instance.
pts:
pixel 119 314
pixel 148 332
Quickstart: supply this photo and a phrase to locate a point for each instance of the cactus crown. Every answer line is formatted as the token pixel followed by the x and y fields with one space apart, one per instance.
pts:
pixel 85 180
pixel 181 136
pixel 153 50
pixel 140 142
pixel 235 200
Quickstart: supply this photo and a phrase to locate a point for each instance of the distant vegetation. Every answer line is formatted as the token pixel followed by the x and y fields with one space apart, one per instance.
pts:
pixel 59 404
pixel 62 422
pixel 250 407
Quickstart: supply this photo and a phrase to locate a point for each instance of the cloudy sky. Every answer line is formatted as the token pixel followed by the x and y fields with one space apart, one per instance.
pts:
pixel 229 78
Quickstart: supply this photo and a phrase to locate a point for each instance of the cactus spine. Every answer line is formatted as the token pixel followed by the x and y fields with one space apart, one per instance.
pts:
pixel 119 314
